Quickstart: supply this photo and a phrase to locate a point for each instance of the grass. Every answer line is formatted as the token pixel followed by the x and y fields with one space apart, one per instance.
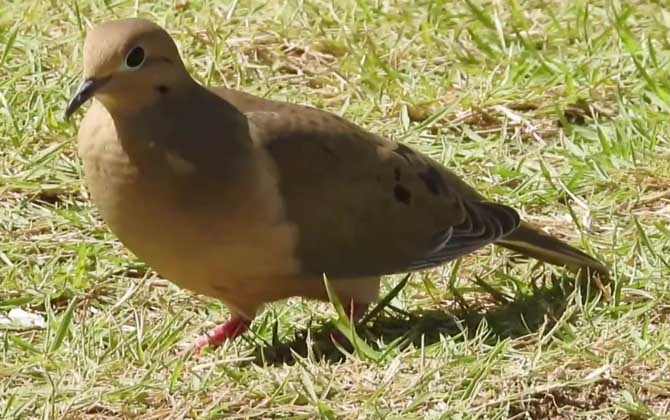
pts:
pixel 557 108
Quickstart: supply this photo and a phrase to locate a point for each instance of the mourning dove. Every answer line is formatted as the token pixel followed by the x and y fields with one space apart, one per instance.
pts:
pixel 250 200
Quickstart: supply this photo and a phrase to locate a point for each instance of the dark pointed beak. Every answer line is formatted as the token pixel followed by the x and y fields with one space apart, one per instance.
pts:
pixel 84 92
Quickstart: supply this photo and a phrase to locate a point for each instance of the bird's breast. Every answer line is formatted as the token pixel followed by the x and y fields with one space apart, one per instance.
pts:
pixel 209 234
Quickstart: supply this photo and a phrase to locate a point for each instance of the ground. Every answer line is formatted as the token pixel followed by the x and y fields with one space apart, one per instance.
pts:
pixel 557 108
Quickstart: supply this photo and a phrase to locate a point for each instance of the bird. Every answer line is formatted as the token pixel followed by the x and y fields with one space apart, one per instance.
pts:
pixel 250 200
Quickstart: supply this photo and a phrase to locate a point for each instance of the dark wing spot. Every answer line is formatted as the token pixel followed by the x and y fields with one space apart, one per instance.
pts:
pixel 162 89
pixel 402 194
pixel 404 151
pixel 330 152
pixel 396 173
pixel 433 180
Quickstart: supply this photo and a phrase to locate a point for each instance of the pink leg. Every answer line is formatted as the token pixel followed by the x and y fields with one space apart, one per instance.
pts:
pixel 355 310
pixel 229 330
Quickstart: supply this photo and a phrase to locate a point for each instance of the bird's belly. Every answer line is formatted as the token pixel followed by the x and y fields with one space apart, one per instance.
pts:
pixel 233 254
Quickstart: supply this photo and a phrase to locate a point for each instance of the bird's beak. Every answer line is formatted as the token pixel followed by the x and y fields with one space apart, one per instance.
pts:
pixel 84 92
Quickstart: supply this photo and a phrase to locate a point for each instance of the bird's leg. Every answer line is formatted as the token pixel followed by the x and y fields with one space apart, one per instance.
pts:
pixel 355 311
pixel 229 330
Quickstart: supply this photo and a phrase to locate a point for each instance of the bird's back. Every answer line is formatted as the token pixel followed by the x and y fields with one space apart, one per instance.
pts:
pixel 364 205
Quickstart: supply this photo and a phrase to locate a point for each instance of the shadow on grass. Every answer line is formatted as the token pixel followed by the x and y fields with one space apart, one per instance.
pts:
pixel 509 319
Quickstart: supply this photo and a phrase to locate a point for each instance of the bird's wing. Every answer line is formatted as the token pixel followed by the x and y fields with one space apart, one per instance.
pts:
pixel 367 206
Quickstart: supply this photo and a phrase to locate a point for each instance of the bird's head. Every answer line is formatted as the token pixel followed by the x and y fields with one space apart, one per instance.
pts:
pixel 128 64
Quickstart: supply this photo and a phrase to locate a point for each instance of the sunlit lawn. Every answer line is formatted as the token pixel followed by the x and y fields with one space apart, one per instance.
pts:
pixel 557 108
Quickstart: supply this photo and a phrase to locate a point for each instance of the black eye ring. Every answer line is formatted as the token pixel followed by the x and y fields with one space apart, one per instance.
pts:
pixel 135 58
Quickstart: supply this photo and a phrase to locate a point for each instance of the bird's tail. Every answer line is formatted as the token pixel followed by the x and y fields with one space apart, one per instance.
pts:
pixel 534 243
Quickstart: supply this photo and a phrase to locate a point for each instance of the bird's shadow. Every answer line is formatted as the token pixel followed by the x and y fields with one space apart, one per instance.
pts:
pixel 510 318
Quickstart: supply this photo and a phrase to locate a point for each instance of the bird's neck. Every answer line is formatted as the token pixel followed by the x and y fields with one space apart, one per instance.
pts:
pixel 189 120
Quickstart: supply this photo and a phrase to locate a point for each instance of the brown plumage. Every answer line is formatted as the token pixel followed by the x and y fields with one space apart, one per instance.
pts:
pixel 249 200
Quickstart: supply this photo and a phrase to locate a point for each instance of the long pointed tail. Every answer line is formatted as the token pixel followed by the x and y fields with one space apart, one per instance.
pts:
pixel 534 243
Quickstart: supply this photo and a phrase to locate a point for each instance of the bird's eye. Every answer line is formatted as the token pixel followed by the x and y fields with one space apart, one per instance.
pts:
pixel 135 58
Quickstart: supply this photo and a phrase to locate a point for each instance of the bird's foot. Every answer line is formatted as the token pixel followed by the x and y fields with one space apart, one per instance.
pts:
pixel 229 330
